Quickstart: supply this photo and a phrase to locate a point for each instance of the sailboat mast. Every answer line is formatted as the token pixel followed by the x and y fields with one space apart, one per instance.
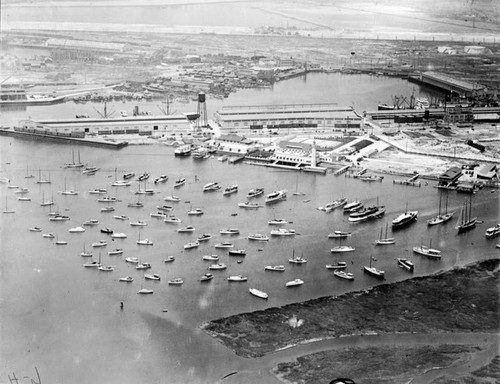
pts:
pixel 440 198
pixel 446 204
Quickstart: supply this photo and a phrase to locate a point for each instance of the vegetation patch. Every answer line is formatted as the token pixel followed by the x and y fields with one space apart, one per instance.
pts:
pixel 460 300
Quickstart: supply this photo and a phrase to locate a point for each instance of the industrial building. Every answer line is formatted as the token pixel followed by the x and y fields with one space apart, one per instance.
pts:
pixel 288 116
pixel 142 125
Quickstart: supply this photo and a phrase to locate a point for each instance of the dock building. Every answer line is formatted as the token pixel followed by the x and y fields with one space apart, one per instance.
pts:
pixel 287 116
pixel 142 125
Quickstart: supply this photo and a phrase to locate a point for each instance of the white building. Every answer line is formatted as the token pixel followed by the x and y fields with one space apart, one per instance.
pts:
pixel 139 125
pixel 291 116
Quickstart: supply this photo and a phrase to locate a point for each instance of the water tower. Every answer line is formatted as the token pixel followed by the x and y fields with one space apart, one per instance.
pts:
pixel 202 112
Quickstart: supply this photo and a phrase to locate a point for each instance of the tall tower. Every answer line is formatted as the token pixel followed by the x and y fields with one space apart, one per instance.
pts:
pixel 202 112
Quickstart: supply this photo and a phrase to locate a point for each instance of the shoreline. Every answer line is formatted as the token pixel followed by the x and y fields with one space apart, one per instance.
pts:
pixel 244 333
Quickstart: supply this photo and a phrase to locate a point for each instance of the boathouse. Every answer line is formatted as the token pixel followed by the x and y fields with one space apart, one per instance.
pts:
pixel 450 176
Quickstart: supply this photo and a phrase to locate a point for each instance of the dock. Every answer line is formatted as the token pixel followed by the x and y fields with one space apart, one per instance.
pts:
pixel 412 181
pixel 341 170
pixel 62 139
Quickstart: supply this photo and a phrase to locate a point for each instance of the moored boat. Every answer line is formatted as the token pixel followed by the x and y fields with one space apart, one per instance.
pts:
pixel 237 252
pixel 192 244
pixel 294 283
pixel 249 205
pixel 161 179
pixel 254 192
pixel 283 232
pixel 224 244
pixel 339 234
pixel 217 266
pixel 237 278
pixel 344 275
pixel 374 271
pixel 404 219
pixel 277 222
pixel 126 279
pixel 229 231
pixel 258 293
pixel 274 268
pixel 230 190
pixel 405 264
pixel 179 182
pixel 212 186
pixel 276 196
pixel 339 265
pixel 258 237
pixel 204 237
pixel 492 232
pixel 207 277
pixel 189 228
pixel 176 281
pixel 427 251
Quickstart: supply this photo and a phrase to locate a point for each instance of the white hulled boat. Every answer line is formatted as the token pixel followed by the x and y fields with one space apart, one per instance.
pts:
pixel 276 196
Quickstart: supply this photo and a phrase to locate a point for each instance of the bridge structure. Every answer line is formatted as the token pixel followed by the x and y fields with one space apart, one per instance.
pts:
pixel 450 84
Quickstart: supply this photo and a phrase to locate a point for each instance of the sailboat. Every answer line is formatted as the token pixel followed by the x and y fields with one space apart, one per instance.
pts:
pixel 67 192
pixel 441 218
pixel 341 248
pixel 7 210
pixel 297 193
pixel 73 164
pixel 466 222
pixel 28 176
pixel 46 203
pixel 374 271
pixel 85 253
pixel 385 240
pixel 40 180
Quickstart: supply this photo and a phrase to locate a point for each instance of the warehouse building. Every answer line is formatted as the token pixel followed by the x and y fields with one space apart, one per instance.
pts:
pixel 289 116
pixel 141 125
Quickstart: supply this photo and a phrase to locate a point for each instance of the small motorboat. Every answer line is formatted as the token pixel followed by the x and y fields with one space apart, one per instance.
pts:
pixel 283 232
pixel 229 231
pixel 91 222
pixel 137 204
pixel 145 291
pixel 176 281
pixel 164 208
pixel 249 205
pixel 204 237
pixel 158 214
pixel 338 266
pixel 172 198
pixel 107 230
pixel 237 278
pixel 172 220
pixel 153 276
pixel 101 243
pixel 121 217
pixel 254 192
pixel 107 209
pixel 237 252
pixel 275 268
pixel 119 235
pixel 258 237
pixel 138 223
pixel 189 228
pixel 169 259
pixel 161 179
pixel 277 222
pixel 117 251
pixel 192 244
pixel 195 212
pixel 294 283
pixel 258 293
pixel 106 268
pixel 127 279
pixel 76 230
pixel 35 229
pixel 132 260
pixel 143 265
pixel 210 257
pixel 207 277
pixel 179 182
pixel 224 244
pixel 48 235
pixel 344 275
pixel 217 266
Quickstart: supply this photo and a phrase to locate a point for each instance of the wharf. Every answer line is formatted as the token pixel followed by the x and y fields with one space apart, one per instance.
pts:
pixel 62 139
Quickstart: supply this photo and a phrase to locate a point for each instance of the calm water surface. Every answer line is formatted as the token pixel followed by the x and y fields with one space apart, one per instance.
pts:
pixel 66 320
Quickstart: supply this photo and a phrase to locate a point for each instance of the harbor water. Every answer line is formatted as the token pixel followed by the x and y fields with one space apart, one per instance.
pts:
pixel 66 320
pixel 362 92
